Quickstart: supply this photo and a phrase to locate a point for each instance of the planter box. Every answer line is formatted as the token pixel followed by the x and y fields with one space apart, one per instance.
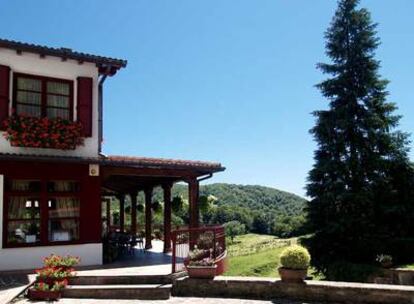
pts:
pixel 293 275
pixel 43 295
pixel 201 272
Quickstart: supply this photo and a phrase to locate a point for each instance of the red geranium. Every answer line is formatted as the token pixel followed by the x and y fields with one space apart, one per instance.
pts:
pixel 57 133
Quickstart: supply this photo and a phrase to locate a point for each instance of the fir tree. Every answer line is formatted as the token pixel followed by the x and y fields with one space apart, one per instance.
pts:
pixel 361 185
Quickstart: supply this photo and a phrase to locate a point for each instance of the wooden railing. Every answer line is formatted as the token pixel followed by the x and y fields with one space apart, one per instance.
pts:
pixel 209 238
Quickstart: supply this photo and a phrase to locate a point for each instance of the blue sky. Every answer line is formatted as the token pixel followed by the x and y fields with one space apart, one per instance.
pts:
pixel 229 81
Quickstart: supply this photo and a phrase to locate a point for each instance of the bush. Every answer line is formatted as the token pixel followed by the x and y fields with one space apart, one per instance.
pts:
pixel 295 257
pixel 351 272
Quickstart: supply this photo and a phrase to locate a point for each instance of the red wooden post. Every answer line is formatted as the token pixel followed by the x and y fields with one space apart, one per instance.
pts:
pixel 122 212
pixel 193 188
pixel 108 215
pixel 134 213
pixel 167 217
pixel 148 218
pixel 174 249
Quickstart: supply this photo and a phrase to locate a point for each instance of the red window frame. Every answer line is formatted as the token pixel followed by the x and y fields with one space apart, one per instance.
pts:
pixel 44 196
pixel 44 93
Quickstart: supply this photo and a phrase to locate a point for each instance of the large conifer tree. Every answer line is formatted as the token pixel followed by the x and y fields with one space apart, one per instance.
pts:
pixel 361 185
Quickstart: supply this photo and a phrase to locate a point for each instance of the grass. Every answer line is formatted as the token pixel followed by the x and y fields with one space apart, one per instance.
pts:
pixel 257 255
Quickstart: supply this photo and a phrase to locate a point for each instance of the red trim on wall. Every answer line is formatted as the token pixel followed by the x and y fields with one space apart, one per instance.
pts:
pixel 85 104
pixel 90 197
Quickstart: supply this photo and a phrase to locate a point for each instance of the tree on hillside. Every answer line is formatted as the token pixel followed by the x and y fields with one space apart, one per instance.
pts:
pixel 361 185
pixel 233 229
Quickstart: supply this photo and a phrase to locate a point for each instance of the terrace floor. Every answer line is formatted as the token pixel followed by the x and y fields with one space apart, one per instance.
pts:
pixel 141 262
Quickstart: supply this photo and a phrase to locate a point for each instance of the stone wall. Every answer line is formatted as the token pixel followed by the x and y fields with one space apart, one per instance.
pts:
pixel 267 289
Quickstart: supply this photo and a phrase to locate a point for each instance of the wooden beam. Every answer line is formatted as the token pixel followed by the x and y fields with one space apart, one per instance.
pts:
pixel 134 200
pixel 122 212
pixel 150 172
pixel 108 214
pixel 148 218
pixel 167 217
pixel 193 189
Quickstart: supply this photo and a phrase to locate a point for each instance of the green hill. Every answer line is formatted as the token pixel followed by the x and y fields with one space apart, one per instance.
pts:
pixel 260 209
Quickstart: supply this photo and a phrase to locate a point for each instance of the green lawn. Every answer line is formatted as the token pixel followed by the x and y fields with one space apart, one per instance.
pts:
pixel 256 255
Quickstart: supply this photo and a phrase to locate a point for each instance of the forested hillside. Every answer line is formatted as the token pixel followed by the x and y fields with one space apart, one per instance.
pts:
pixel 260 209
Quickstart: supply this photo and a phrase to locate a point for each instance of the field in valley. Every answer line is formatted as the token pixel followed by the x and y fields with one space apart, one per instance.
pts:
pixel 256 255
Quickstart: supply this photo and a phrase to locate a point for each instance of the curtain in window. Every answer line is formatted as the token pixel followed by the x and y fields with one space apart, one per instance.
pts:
pixel 23 208
pixel 63 207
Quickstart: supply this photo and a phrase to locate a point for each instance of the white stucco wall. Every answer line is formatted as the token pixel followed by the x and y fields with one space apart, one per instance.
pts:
pixel 31 258
pixel 49 66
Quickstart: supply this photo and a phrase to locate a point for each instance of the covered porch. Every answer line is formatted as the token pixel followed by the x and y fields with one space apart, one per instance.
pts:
pixel 124 178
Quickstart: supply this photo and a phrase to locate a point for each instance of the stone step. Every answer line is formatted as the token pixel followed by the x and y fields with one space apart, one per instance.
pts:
pixel 120 280
pixel 139 292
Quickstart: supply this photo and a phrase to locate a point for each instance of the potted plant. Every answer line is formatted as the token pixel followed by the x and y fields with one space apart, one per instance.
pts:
pixel 50 275
pixel 202 269
pixel 43 291
pixel 294 262
pixel 63 262
pixel 53 277
pixel 385 260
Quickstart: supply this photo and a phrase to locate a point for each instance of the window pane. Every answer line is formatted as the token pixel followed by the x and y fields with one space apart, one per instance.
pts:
pixel 25 185
pixel 58 88
pixel 23 232
pixel 29 84
pixel 33 111
pixel 58 101
pixel 23 208
pixel 63 207
pixel 29 97
pixel 63 186
pixel 55 113
pixel 63 230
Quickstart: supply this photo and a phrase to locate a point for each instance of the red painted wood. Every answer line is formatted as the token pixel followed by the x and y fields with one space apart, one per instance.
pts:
pixel 134 202
pixel 193 189
pixel 90 196
pixel 85 104
pixel 4 93
pixel 148 218
pixel 167 217
pixel 122 213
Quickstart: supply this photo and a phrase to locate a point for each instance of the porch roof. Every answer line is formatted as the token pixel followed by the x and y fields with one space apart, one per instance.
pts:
pixel 125 174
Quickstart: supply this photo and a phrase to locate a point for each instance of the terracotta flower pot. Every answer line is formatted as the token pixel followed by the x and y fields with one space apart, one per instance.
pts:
pixel 293 275
pixel 201 272
pixel 386 265
pixel 43 295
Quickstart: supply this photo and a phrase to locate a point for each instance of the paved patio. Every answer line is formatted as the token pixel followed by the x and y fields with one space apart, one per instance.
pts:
pixel 142 262
pixel 174 301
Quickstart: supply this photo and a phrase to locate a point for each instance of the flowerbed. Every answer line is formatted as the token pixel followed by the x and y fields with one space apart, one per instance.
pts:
pixel 35 132
pixel 53 277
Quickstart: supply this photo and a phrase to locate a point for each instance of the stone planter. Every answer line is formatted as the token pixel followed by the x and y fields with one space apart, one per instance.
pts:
pixel 43 295
pixel 201 272
pixel 293 275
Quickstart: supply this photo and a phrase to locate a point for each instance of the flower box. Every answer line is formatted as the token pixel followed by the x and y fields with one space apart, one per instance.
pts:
pixel 46 295
pixel 201 272
pixel 35 132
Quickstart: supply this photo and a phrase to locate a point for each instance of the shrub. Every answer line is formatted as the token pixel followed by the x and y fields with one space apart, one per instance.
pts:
pixel 351 272
pixel 295 257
